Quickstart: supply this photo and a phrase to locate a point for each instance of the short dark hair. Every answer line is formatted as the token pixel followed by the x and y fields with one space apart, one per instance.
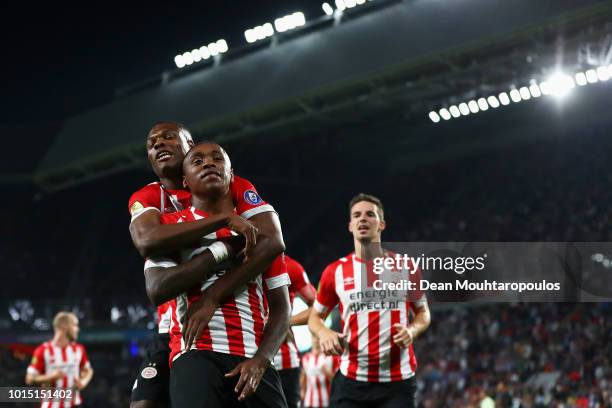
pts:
pixel 371 199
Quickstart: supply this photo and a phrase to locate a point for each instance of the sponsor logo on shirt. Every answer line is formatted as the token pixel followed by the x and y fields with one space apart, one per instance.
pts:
pixel 136 207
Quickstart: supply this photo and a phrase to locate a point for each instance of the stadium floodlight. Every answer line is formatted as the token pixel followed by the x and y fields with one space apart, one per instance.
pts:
pixel 535 91
pixel 250 35
pixel 463 108
pixel 581 79
pixel 213 49
pixel 504 99
pixel 591 76
pixel 454 110
pixel 435 118
pixel 515 95
pixel 187 58
pixel 204 52
pixel 327 9
pixel 222 46
pixel 482 104
pixel 473 106
pixel 525 95
pixel 178 60
pixel 445 114
pixel 493 102
pixel 289 22
pixel 603 74
pixel 558 85
pixel 195 55
pixel 360 2
pixel 350 3
pixel 340 5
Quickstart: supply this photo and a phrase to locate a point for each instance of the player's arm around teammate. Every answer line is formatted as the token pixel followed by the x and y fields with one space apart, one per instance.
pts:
pixel 252 370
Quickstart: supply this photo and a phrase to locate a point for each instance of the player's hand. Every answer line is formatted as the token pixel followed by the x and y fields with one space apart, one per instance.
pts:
pixel 243 227
pixel 404 335
pixel 197 318
pixel 78 384
pixel 251 371
pixel 56 375
pixel 331 342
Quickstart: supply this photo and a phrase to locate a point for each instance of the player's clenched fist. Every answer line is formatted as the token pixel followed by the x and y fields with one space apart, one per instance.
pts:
pixel 403 336
pixel 331 342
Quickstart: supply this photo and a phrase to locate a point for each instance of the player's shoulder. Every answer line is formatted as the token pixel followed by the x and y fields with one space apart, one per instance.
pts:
pixel 154 187
pixel 177 217
pixel 345 260
pixel 42 347
pixel 78 346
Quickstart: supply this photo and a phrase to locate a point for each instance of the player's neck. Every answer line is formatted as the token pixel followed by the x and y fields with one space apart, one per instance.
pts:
pixel 60 339
pixel 213 204
pixel 172 183
pixel 368 250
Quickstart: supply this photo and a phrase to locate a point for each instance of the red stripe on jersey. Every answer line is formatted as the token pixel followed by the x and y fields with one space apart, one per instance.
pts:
pixel 413 361
pixel 373 345
pixel 64 379
pixel 318 389
pixel 258 321
pixel 348 275
pixel 353 345
pixel 233 325
pixel 396 371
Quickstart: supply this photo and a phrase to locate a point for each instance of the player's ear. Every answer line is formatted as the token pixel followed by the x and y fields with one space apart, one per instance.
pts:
pixel 231 175
pixel 350 227
pixel 382 225
pixel 185 183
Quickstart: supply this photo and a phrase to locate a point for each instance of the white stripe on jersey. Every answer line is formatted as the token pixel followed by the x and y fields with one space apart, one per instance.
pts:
pixel 257 210
pixel 165 321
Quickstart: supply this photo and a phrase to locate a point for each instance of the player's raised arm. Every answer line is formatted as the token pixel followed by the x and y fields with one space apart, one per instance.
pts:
pixel 165 279
pixel 252 370
pixel 152 238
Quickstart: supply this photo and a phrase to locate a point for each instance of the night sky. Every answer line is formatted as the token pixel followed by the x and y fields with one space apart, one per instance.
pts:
pixel 61 61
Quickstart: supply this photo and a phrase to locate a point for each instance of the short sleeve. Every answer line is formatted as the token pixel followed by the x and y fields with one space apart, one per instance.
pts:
pixel 276 276
pixel 327 297
pixel 37 364
pixel 84 359
pixel 147 198
pixel 247 201
pixel 297 274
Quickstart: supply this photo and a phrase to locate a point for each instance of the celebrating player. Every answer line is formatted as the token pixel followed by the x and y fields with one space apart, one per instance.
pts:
pixel 226 357
pixel 287 360
pixel 167 143
pixel 377 363
pixel 61 363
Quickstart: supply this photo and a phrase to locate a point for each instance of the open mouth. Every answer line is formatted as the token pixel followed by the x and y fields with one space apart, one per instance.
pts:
pixel 363 228
pixel 163 156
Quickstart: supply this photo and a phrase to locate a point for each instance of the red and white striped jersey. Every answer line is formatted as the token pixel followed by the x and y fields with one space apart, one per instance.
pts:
pixel 368 315
pixel 70 359
pixel 154 196
pixel 288 356
pixel 237 326
pixel 318 370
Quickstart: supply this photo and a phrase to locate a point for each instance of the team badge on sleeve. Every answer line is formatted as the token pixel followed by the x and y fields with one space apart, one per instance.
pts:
pixel 148 373
pixel 136 207
pixel 252 197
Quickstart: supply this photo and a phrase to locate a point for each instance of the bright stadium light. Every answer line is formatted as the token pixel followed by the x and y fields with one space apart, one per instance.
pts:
pixel 327 9
pixel 558 85
pixel 603 74
pixel 178 60
pixel 250 35
pixel 195 54
pixel 350 3
pixel 289 22
pixel 445 114
pixel 482 104
pixel 504 99
pixel 591 76
pixel 435 118
pixel 213 49
pixel 581 79
pixel 535 91
pixel 454 110
pixel 204 52
pixel 360 2
pixel 340 5
pixel 525 95
pixel 221 46
pixel 463 108
pixel 187 58
pixel 515 95
pixel 473 106
pixel 493 102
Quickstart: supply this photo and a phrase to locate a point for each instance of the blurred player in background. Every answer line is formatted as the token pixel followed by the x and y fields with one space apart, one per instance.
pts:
pixel 226 357
pixel 61 362
pixel 167 143
pixel 318 369
pixel 287 360
pixel 377 364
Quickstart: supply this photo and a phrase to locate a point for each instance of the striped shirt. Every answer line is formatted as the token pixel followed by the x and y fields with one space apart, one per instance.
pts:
pixel 237 325
pixel 70 359
pixel 368 315
pixel 288 356
pixel 318 370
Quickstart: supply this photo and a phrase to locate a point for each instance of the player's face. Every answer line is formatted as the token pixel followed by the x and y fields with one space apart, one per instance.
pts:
pixel 167 145
pixel 365 223
pixel 72 329
pixel 207 167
